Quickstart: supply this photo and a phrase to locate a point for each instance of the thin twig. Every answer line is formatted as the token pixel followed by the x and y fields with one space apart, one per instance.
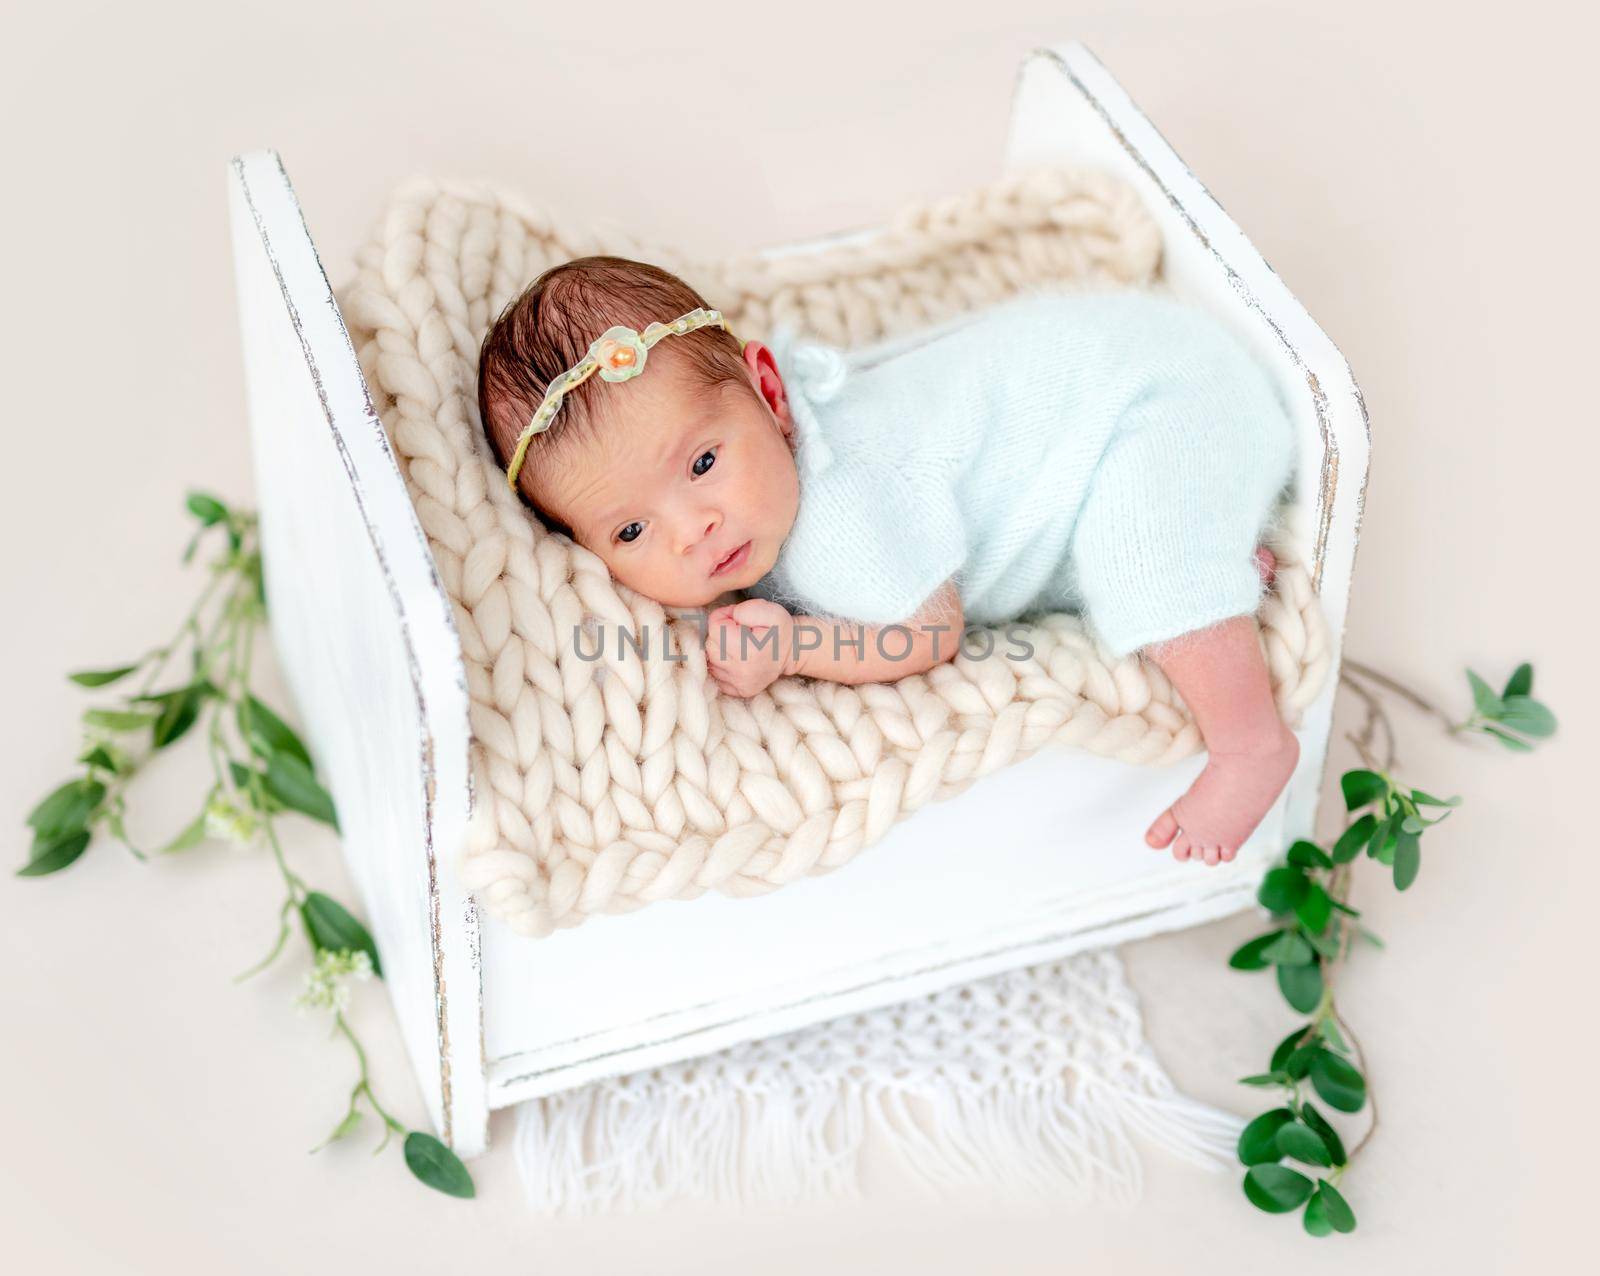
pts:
pixel 1376 716
pixel 1372 1098
pixel 1383 680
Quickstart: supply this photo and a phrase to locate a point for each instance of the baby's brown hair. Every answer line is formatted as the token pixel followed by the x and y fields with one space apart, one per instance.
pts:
pixel 549 328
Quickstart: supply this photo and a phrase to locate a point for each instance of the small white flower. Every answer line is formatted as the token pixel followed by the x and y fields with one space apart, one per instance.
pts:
pixel 231 821
pixel 326 986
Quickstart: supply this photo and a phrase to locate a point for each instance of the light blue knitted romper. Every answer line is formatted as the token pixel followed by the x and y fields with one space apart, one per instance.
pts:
pixel 1114 454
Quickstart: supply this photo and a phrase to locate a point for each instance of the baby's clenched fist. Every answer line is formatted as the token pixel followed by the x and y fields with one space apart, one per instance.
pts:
pixel 749 646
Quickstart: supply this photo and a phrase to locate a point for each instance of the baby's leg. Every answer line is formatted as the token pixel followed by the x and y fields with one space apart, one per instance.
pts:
pixel 1222 677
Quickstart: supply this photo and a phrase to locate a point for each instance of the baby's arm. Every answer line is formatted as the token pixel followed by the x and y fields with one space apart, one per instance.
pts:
pixel 854 653
pixel 744 665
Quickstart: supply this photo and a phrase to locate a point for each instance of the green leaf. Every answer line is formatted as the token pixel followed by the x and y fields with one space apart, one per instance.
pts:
pixel 1407 860
pixel 208 509
pixel 118 719
pixel 277 947
pixel 290 781
pixel 352 1119
pixel 1346 909
pixel 437 1166
pixel 1286 1047
pixel 332 927
pixel 1338 1209
pixel 1266 1078
pixel 1276 1188
pixel 204 686
pixel 1510 741
pixel 1258 1141
pixel 98 757
pixel 1302 1143
pixel 179 713
pixel 1337 1080
pixel 1361 788
pixel 1309 855
pixel 1326 943
pixel 66 809
pixel 100 677
pixel 1354 838
pixel 1484 697
pixel 1330 1136
pixel 241 778
pixel 1250 956
pixel 1529 717
pixel 1281 889
pixel 1288 949
pixel 1315 909
pixel 1301 987
pixel 1316 1217
pixel 54 855
pixel 1299 1061
pixel 1427 799
pixel 1383 834
pixel 1413 824
pixel 1520 683
pixel 192 835
pixel 1381 847
pixel 267 733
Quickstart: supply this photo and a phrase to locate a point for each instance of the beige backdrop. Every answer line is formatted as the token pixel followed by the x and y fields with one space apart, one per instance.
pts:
pixel 1421 179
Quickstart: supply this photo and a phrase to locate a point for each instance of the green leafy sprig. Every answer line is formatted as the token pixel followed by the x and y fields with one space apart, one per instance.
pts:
pixel 1511 715
pixel 261 769
pixel 1313 927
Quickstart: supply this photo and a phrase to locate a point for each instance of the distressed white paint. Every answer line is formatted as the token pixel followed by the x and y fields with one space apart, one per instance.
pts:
pixel 1039 860
pixel 365 637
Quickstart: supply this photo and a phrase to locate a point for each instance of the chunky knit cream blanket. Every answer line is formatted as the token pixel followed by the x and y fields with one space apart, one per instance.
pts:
pixel 601 785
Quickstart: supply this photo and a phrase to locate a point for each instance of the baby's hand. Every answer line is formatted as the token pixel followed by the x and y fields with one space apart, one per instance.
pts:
pixel 743 664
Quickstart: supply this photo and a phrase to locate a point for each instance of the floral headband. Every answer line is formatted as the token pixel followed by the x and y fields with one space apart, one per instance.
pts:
pixel 617 354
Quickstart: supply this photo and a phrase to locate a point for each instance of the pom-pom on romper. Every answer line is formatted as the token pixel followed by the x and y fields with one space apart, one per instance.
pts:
pixel 1113 454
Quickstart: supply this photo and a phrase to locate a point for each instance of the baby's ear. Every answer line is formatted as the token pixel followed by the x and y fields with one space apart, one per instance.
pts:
pixel 768 383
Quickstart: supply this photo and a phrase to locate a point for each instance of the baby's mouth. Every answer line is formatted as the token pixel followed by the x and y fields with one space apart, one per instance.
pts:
pixel 735 559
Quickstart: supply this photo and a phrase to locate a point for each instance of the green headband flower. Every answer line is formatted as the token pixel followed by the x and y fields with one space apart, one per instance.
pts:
pixel 620 352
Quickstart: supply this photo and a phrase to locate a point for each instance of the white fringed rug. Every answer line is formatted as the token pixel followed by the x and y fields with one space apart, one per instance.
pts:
pixel 1031 1083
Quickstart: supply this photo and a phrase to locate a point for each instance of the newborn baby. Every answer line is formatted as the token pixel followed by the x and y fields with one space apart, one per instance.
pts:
pixel 1113 454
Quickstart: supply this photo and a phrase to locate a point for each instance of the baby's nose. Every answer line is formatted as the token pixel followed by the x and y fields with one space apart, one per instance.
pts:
pixel 698 530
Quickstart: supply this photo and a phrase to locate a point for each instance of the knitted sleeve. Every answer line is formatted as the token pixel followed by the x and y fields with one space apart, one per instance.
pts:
pixel 871 543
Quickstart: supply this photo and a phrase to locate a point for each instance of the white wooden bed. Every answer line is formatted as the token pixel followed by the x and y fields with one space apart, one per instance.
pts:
pixel 364 634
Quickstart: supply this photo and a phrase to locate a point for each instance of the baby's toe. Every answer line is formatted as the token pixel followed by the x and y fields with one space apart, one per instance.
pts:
pixel 1212 854
pixel 1181 848
pixel 1160 833
pixel 1228 852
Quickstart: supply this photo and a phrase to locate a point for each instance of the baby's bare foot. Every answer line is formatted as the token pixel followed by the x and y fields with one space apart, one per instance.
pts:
pixel 1226 802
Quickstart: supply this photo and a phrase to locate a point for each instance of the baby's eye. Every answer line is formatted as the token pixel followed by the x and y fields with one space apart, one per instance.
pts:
pixel 711 452
pixel 628 540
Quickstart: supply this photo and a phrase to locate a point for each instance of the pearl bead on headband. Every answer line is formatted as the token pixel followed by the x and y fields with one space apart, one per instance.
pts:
pixel 617 354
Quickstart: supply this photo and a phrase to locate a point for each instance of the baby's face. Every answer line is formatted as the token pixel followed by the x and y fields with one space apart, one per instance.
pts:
pixel 684 478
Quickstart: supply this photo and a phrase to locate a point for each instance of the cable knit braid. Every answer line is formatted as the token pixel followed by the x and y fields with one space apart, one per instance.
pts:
pixel 603 785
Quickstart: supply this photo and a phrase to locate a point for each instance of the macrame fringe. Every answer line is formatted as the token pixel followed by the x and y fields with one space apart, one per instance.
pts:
pixel 617 1145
